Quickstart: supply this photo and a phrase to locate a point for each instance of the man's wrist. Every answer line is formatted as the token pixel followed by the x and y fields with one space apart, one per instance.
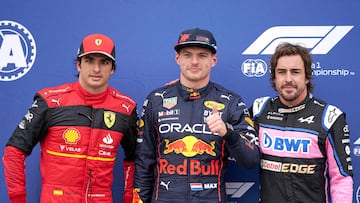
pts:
pixel 18 199
pixel 229 129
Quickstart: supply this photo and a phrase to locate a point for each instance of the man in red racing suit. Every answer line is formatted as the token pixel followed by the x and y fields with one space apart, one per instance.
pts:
pixel 79 133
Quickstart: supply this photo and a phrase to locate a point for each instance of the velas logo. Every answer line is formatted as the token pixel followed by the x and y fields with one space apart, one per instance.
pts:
pixel 189 146
pixel 320 39
pixel 17 50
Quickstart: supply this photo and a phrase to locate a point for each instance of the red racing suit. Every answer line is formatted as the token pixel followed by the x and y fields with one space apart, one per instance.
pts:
pixel 79 135
pixel 178 159
pixel 305 152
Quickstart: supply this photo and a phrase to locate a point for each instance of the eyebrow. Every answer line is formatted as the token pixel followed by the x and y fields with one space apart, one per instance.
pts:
pixel 105 58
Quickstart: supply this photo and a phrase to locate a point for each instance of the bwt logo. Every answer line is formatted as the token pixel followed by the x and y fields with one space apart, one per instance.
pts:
pixel 17 50
pixel 320 39
pixel 286 144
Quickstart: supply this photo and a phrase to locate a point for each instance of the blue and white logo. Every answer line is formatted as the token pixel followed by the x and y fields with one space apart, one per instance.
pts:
pixel 17 50
pixel 254 67
pixel 320 39
pixel 283 144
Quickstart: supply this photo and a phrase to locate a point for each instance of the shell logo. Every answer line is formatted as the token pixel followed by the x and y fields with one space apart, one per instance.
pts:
pixel 71 136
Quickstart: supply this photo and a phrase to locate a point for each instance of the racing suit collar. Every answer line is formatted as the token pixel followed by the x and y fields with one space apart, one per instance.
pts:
pixel 285 109
pixel 90 99
pixel 191 93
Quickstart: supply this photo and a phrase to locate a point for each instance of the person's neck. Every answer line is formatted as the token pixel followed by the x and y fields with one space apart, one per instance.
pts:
pixel 93 90
pixel 194 85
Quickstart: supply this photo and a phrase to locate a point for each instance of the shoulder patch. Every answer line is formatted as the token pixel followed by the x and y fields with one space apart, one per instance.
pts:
pixel 259 104
pixel 122 97
pixel 53 91
pixel 331 113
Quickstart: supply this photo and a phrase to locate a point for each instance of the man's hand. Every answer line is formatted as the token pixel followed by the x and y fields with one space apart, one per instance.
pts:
pixel 215 123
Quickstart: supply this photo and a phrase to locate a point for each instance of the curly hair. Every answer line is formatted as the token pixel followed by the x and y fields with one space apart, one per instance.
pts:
pixel 288 49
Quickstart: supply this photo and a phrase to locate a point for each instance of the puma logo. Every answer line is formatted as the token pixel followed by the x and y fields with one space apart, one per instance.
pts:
pixel 166 185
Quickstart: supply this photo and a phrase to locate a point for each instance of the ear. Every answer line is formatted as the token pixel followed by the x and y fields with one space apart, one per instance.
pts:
pixel 78 66
pixel 214 60
pixel 177 58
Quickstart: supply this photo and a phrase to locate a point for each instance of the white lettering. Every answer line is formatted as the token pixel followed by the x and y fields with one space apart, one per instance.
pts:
pixel 177 127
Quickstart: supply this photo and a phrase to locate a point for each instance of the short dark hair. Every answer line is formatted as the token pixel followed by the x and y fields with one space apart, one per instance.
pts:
pixel 288 49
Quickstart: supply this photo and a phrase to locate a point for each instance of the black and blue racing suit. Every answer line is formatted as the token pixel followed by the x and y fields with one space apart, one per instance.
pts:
pixel 305 152
pixel 178 159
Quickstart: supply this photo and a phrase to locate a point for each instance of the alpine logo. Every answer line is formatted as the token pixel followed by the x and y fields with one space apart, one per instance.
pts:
pixel 308 120
pixel 320 39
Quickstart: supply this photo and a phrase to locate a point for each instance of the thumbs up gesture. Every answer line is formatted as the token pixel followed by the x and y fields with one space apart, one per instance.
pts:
pixel 215 123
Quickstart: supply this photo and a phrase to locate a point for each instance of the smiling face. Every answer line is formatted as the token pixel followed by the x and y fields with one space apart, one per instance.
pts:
pixel 290 80
pixel 195 66
pixel 94 72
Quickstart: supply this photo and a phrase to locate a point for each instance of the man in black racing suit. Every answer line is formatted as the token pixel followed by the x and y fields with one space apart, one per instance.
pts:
pixel 190 129
pixel 304 141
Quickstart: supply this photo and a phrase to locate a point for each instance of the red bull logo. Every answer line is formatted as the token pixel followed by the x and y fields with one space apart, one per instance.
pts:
pixel 189 146
pixel 195 167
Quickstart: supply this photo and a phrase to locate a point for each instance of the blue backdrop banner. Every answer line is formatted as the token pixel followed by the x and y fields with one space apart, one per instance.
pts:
pixel 39 41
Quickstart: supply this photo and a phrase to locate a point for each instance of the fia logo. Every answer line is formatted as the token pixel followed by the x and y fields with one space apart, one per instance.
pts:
pixel 17 50
pixel 254 67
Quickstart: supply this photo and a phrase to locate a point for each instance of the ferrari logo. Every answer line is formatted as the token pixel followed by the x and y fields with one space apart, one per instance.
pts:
pixel 109 118
pixel 98 42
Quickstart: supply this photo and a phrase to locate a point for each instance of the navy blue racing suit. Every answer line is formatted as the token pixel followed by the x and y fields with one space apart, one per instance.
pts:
pixel 178 159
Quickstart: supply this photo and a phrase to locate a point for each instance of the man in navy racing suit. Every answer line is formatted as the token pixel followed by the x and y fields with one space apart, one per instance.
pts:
pixel 303 140
pixel 189 130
